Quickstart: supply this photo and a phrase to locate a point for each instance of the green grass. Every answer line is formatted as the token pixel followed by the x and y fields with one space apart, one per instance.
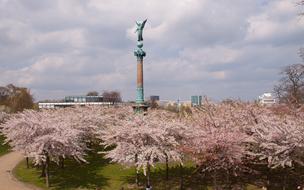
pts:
pixel 3 148
pixel 99 173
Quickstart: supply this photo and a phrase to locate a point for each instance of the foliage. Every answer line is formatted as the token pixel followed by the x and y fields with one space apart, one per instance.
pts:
pixel 44 134
pixel 220 132
pixel 3 117
pixel 53 135
pixel 142 140
pixel 181 109
pixel 16 98
pixel 4 148
pixel 226 138
pixel 278 140
pixel 111 96
pixel 218 149
pixel 92 93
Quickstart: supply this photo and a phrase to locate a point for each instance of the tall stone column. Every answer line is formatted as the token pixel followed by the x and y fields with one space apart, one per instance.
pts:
pixel 140 102
pixel 139 53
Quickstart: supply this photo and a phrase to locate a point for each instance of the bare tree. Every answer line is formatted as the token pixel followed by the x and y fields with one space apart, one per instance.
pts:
pixel 301 53
pixel 291 86
pixel 111 96
pixel 16 98
pixel 22 100
pixel 92 93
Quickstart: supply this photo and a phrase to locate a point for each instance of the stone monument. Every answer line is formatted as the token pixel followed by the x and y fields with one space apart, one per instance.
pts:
pixel 140 106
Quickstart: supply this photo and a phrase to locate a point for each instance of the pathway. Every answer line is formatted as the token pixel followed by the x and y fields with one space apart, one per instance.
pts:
pixel 7 180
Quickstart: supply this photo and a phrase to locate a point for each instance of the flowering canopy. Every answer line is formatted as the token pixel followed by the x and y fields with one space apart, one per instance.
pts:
pixel 41 134
pixel 57 133
pixel 143 140
pixel 278 139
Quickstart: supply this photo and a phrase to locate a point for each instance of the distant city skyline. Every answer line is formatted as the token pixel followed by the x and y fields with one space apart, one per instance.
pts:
pixel 222 49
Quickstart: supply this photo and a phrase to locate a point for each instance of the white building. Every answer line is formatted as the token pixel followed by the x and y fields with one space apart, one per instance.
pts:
pixel 267 99
pixel 69 104
pixel 75 101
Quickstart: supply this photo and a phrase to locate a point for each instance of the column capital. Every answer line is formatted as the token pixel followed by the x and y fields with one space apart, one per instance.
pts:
pixel 139 53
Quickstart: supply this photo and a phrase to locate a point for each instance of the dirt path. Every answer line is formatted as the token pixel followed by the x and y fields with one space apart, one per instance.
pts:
pixel 7 164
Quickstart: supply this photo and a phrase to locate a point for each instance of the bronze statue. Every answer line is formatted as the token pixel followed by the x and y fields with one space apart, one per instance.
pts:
pixel 139 30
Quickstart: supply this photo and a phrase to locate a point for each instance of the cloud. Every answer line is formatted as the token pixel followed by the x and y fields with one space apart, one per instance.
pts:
pixel 277 25
pixel 217 48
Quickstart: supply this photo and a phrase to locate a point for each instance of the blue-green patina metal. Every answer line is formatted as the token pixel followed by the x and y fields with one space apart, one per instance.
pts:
pixel 140 54
pixel 140 29
pixel 139 95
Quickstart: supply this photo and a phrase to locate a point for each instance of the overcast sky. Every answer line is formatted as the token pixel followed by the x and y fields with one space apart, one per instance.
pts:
pixel 218 48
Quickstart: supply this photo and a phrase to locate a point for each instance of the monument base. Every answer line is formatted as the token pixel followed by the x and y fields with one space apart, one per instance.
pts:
pixel 140 108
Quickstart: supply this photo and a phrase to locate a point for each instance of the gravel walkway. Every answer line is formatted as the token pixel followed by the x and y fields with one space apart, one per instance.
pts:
pixel 7 180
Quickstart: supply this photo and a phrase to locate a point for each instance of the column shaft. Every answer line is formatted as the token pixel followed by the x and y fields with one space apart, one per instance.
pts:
pixel 140 81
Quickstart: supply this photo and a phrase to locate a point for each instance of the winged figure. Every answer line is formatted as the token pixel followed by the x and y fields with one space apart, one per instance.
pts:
pixel 139 30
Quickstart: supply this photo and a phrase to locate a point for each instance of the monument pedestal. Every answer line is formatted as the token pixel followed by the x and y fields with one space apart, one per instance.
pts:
pixel 140 108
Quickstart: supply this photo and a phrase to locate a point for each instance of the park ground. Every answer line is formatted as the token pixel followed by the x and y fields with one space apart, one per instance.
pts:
pixel 4 148
pixel 100 174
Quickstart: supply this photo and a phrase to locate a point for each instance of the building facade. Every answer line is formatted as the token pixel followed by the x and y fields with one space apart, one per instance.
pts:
pixel 154 98
pixel 267 99
pixel 196 101
pixel 83 99
pixel 75 101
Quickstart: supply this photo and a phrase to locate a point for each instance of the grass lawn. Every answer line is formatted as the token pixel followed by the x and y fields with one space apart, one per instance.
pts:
pixel 100 174
pixel 3 148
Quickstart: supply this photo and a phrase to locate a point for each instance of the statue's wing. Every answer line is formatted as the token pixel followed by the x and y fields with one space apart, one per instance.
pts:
pixel 138 24
pixel 144 23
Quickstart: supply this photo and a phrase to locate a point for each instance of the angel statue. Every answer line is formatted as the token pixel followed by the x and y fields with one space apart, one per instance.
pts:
pixel 139 30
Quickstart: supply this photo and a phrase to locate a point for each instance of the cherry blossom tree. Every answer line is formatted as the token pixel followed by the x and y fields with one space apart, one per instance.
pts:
pixel 218 150
pixel 52 135
pixel 3 116
pixel 277 135
pixel 44 136
pixel 221 138
pixel 277 141
pixel 268 135
pixel 143 140
pixel 221 130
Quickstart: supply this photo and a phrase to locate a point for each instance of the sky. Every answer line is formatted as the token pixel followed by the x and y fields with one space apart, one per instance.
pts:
pixel 218 48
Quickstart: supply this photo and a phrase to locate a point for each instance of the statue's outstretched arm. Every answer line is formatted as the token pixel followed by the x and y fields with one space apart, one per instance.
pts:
pixel 143 24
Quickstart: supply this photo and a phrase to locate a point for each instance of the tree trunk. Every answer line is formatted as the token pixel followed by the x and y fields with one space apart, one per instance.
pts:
pixel 61 162
pixel 27 163
pixel 137 174
pixel 42 170
pixel 228 183
pixel 181 177
pixel 284 181
pixel 167 168
pixel 215 187
pixel 47 177
pixel 148 187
